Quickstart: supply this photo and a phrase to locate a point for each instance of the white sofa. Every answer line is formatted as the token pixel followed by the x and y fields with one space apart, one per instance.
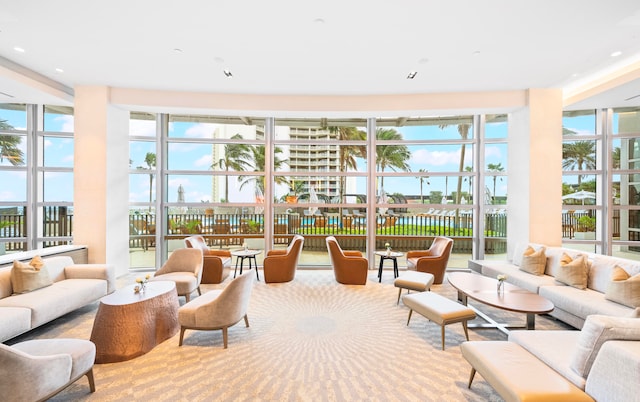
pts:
pixel 601 362
pixel 74 286
pixel 572 305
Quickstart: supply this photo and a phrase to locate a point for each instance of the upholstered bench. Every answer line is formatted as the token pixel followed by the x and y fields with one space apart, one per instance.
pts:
pixel 516 374
pixel 439 309
pixel 413 280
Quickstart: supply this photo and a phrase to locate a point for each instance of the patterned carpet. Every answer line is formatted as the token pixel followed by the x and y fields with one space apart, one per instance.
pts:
pixel 309 340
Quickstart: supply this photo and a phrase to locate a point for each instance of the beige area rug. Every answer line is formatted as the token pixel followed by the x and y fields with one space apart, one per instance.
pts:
pixel 309 340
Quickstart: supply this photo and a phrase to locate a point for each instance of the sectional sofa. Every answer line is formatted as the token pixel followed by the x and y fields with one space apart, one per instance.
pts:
pixel 572 304
pixel 73 286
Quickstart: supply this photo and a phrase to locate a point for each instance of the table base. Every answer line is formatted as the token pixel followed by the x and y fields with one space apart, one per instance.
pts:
pixel 395 266
pixel 493 324
pixel 241 258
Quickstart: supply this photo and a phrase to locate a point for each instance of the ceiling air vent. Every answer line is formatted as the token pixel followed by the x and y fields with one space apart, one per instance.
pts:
pixel 6 94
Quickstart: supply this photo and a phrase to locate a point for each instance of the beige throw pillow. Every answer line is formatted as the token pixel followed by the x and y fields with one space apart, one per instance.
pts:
pixel 533 261
pixel 623 289
pixel 28 277
pixel 573 272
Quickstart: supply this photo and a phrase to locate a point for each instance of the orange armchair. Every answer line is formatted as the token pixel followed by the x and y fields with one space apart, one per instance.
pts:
pixel 434 260
pixel 280 265
pixel 349 267
pixel 217 263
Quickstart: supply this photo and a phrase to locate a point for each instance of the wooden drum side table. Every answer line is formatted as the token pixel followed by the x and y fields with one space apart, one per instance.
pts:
pixel 128 324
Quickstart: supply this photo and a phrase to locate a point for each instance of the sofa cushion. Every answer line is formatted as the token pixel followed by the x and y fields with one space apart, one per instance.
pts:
pixel 533 261
pixel 624 289
pixel 573 272
pixel 596 331
pixel 602 266
pixel 582 303
pixel 27 277
pixel 515 276
pixel 15 321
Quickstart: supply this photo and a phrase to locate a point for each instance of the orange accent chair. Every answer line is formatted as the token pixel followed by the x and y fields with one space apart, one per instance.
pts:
pixel 349 267
pixel 217 263
pixel 434 260
pixel 280 265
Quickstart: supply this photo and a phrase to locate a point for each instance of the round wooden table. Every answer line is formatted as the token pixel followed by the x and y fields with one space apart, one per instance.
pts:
pixel 129 324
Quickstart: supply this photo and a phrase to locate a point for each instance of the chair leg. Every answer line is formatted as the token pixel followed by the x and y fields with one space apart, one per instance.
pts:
pixel 224 337
pixel 473 373
pixel 92 384
pixel 187 297
pixel 199 291
pixel 246 320
pixel 466 332
pixel 399 293
pixel 182 329
pixel 442 332
pixel 409 319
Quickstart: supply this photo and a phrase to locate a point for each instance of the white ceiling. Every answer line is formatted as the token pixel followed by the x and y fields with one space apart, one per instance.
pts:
pixel 330 47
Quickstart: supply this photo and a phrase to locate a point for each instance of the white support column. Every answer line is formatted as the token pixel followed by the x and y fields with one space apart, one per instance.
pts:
pixel 101 160
pixel 534 173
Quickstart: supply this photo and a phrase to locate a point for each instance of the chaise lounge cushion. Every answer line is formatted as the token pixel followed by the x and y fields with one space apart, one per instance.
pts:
pixel 624 289
pixel 596 331
pixel 27 277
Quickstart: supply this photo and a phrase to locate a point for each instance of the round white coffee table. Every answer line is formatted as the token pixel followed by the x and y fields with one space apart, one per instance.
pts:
pixel 243 254
pixel 388 255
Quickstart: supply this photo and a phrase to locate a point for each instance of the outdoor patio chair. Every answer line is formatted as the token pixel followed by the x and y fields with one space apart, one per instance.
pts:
pixel 280 265
pixel 434 260
pixel 349 267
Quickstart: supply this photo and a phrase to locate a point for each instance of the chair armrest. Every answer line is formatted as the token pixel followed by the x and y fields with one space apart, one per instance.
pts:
pixel 276 252
pixel 615 371
pixel 106 272
pixel 45 374
pixel 418 254
pixel 351 253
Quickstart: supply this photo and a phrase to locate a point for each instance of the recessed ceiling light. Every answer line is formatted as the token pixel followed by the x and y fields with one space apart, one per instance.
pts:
pixel 318 21
pixel 227 73
pixel 177 50
pixel 616 53
pixel 18 49
pixel 218 59
pixel 423 60
pixel 476 53
pixel 412 75
pixel 59 70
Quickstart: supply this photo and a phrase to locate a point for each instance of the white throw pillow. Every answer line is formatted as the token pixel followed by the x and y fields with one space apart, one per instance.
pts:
pixel 573 272
pixel 534 262
pixel 596 331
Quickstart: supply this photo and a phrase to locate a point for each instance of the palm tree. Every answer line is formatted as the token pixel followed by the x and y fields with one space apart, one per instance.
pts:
pixel 150 160
pixel 236 157
pixel 9 146
pixel 347 154
pixel 492 167
pixel 579 155
pixel 469 169
pixel 258 156
pixel 422 180
pixel 391 156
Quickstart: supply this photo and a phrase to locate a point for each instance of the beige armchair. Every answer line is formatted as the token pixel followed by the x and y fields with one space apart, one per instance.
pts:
pixel 349 267
pixel 218 309
pixel 434 260
pixel 184 267
pixel 38 369
pixel 216 263
pixel 280 265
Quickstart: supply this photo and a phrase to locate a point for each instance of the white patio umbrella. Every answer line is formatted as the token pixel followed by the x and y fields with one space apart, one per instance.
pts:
pixel 580 195
pixel 383 200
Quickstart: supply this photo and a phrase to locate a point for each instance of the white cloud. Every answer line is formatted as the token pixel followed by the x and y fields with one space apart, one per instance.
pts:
pixel 47 143
pixel 145 128
pixel 7 195
pixel 437 158
pixel 67 124
pixel 493 151
pixel 200 130
pixel 205 160
pixel 68 158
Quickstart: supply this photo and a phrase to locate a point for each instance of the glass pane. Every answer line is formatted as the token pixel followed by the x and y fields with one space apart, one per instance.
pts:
pixel 579 155
pixel 431 157
pixel 211 188
pixel 13 149
pixel 142 239
pixel 142 124
pixel 626 120
pixel 581 122
pixel 58 186
pixel 496 126
pixel 142 187
pixel 435 128
pixel 13 225
pixel 320 129
pixel 142 155
pixel 192 126
pixel 14 186
pixel 188 156
pixel 58 118
pixel 321 158
pixel 626 153
pixel 495 190
pixel 13 116
pixel 578 190
pixel 58 152
pixel 495 155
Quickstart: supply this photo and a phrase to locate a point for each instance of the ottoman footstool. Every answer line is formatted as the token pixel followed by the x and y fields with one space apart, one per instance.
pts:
pixel 439 309
pixel 413 280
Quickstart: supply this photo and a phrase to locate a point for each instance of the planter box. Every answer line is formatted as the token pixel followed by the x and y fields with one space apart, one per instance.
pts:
pixel 584 235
